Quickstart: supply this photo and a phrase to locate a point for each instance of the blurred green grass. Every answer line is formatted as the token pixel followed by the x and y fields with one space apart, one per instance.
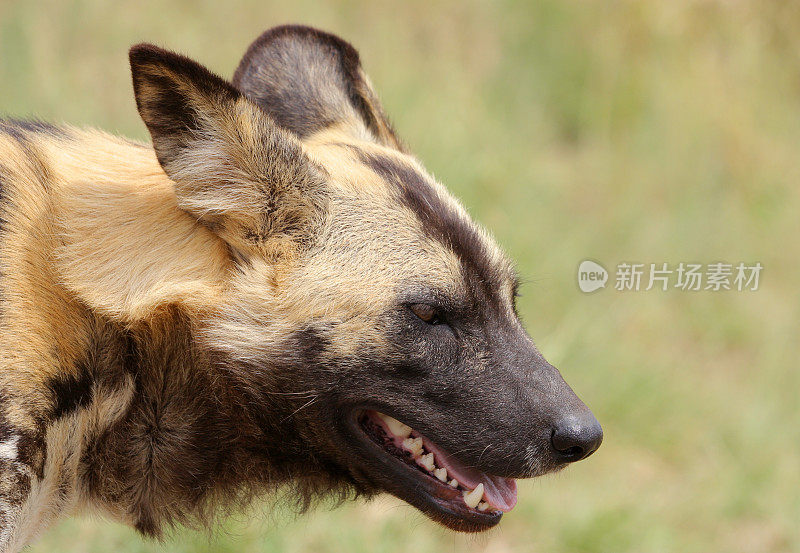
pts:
pixel 618 131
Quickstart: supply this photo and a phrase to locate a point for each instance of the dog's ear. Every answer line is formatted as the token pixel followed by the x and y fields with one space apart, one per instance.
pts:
pixel 234 168
pixel 308 80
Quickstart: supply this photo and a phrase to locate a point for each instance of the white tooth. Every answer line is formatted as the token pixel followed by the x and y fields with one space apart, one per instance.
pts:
pixel 414 445
pixel 482 506
pixel 454 483
pixel 395 426
pixel 441 474
pixel 427 462
pixel 474 497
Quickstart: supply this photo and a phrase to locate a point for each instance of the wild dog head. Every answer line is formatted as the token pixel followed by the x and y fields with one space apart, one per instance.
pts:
pixel 370 323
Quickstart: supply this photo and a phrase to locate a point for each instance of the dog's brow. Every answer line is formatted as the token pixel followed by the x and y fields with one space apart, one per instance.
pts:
pixel 440 219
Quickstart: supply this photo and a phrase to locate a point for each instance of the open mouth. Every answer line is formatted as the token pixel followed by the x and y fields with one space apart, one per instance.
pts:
pixel 464 497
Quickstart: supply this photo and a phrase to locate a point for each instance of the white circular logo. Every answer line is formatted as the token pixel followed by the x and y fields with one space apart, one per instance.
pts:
pixel 591 276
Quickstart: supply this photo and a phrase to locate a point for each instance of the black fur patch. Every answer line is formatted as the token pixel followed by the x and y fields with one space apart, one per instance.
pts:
pixel 17 128
pixel 170 106
pixel 163 83
pixel 31 446
pixel 310 342
pixel 70 392
pixel 20 483
pixel 32 451
pixel 15 132
pixel 22 133
pixel 5 427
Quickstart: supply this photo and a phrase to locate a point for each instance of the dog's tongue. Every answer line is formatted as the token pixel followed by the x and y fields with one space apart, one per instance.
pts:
pixel 500 493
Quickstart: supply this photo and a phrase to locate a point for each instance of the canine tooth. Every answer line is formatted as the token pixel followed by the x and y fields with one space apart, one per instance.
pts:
pixel 474 497
pixel 482 506
pixel 395 426
pixel 441 474
pixel 453 483
pixel 414 445
pixel 427 462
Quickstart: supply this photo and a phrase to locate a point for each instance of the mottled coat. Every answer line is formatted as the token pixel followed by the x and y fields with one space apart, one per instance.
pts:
pixel 188 324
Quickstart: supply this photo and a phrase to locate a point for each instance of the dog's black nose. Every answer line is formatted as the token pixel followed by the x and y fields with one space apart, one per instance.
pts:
pixel 576 437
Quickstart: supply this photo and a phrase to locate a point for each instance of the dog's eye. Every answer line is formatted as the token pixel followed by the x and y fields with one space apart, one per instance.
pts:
pixel 426 312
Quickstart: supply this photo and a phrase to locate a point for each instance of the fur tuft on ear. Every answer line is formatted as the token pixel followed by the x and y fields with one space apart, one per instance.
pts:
pixel 308 80
pixel 234 169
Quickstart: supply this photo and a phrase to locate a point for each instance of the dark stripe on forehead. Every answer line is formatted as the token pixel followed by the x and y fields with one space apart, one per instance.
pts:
pixel 439 220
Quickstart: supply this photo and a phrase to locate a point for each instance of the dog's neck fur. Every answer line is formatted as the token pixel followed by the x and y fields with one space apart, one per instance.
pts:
pixel 163 434
pixel 184 441
pixel 120 223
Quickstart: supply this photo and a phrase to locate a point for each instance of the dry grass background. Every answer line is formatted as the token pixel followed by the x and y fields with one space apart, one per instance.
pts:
pixel 621 131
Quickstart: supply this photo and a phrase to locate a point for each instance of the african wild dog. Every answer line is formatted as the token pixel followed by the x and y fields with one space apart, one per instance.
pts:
pixel 255 303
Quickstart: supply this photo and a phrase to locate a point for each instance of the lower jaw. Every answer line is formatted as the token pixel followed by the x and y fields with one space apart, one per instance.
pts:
pixel 463 522
pixel 439 501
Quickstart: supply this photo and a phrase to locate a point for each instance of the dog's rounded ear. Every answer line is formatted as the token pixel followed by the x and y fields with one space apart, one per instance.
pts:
pixel 309 80
pixel 235 170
